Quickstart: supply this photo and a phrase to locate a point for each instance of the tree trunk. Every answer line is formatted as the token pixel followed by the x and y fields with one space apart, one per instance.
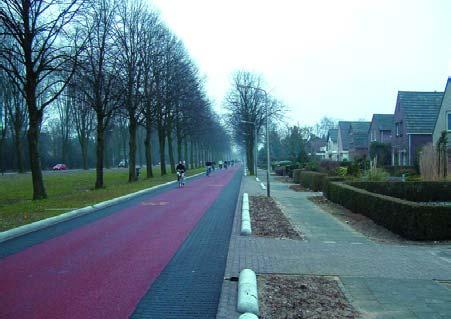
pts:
pixel 179 149
pixel 171 152
pixel 148 146
pixel 84 153
pixel 161 140
pixel 100 151
pixel 191 150
pixel 35 121
pixel 19 150
pixel 185 148
pixel 132 149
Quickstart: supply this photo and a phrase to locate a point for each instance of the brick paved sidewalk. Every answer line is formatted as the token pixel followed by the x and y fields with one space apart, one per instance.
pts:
pixel 382 281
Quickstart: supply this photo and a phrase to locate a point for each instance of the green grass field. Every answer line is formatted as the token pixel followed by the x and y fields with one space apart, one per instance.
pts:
pixel 66 191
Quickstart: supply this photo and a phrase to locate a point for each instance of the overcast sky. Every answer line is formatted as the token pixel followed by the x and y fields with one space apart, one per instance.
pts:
pixel 343 59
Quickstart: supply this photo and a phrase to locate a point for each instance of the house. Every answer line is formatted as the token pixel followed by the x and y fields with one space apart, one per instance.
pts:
pixel 316 146
pixel 358 140
pixel 443 122
pixel 332 144
pixel 413 124
pixel 380 128
pixel 343 140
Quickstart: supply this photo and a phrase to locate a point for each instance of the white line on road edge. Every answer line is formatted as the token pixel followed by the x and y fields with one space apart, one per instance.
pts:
pixel 248 315
pixel 44 223
pixel 263 186
pixel 247 292
pixel 257 179
pixel 245 217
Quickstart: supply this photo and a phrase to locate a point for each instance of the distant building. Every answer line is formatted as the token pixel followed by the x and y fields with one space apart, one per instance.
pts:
pixel 316 147
pixel 413 124
pixel 332 145
pixel 343 140
pixel 381 128
pixel 358 140
pixel 443 122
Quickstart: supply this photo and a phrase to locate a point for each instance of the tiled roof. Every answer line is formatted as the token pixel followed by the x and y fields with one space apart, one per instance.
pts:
pixel 344 132
pixel 384 121
pixel 333 134
pixel 420 110
pixel 359 136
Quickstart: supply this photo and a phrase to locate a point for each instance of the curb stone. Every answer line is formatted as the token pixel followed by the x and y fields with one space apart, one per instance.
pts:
pixel 248 315
pixel 245 217
pixel 44 223
pixel 247 292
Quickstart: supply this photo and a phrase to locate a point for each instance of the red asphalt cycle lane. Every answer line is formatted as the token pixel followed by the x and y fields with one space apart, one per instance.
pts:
pixel 102 269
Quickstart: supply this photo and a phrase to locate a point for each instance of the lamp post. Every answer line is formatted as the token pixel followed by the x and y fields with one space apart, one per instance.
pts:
pixel 255 145
pixel 268 164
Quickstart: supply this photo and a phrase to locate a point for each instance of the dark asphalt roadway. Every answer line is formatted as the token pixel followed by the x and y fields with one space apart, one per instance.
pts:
pixel 158 256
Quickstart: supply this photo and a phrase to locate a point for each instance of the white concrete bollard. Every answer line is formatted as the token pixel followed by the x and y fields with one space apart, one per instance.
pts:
pixel 246 229
pixel 248 315
pixel 245 223
pixel 245 217
pixel 247 292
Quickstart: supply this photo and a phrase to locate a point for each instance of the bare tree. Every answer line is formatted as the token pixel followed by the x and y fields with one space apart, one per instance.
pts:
pixel 83 117
pixel 3 121
pixel 35 56
pixel 322 128
pixel 63 107
pixel 246 104
pixel 150 54
pixel 97 78
pixel 17 115
pixel 130 30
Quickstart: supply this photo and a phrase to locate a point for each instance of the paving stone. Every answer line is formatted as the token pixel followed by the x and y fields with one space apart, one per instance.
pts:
pixel 384 280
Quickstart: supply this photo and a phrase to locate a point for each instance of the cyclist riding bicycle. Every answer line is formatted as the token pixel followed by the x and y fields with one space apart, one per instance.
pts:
pixel 181 173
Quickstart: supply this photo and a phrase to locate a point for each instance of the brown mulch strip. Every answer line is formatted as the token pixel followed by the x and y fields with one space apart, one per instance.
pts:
pixel 298 188
pixel 313 297
pixel 268 220
pixel 364 224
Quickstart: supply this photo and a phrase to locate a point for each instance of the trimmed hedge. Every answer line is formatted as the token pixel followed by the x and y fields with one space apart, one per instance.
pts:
pixel 309 179
pixel 412 191
pixel 408 219
pixel 313 180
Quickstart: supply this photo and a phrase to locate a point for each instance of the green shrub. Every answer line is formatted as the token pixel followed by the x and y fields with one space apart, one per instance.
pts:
pixel 312 166
pixel 354 169
pixel 375 174
pixel 416 191
pixel 408 219
pixel 341 171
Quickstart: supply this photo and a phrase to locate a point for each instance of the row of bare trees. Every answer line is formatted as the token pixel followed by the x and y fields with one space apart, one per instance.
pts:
pixel 98 65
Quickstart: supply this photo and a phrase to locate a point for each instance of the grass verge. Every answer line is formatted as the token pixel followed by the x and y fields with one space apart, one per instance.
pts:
pixel 66 191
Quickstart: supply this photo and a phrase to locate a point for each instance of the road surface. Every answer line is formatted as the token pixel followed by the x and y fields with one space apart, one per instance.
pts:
pixel 157 256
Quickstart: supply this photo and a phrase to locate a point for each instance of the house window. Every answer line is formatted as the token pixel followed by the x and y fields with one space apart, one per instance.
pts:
pixel 448 120
pixel 399 129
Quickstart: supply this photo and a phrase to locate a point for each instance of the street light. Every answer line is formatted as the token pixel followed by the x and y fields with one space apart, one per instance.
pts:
pixel 268 164
pixel 255 145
